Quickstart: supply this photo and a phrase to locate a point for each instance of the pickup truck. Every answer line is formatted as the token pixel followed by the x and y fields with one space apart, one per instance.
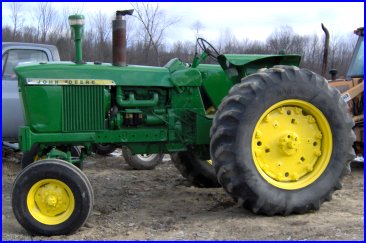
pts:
pixel 15 53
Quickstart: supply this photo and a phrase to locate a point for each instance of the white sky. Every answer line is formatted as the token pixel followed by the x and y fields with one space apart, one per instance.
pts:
pixel 254 21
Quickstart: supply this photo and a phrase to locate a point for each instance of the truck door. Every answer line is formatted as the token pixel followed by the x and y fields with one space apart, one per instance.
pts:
pixel 12 114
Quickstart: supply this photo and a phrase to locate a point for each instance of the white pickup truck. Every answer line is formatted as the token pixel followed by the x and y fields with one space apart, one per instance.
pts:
pixel 15 53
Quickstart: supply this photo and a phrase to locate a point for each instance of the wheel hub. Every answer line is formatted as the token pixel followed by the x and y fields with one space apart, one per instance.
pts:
pixel 146 157
pixel 50 201
pixel 288 144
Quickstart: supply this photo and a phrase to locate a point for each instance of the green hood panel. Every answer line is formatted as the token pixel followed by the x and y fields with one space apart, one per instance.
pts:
pixel 127 76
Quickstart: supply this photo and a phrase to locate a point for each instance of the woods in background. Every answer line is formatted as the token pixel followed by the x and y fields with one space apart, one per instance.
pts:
pixel 146 32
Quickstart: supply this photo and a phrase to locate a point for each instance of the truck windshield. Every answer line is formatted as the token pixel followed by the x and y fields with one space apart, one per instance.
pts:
pixel 14 57
pixel 355 69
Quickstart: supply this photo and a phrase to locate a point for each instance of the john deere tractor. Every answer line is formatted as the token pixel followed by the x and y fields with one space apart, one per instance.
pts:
pixel 276 137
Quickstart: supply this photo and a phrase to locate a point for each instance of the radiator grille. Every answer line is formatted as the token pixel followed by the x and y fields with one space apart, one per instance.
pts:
pixel 83 108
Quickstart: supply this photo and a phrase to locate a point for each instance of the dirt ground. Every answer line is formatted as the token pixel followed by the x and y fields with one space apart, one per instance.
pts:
pixel 161 205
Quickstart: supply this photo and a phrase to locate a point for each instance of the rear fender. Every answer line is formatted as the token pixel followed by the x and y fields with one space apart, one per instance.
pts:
pixel 237 66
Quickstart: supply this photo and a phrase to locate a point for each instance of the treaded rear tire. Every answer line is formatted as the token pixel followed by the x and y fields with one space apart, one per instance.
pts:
pixel 234 124
pixel 198 172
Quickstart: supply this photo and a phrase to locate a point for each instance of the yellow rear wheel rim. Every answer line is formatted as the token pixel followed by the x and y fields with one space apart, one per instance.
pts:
pixel 50 201
pixel 291 144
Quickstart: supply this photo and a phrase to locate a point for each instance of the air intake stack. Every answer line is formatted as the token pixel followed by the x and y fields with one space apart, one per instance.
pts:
pixel 77 26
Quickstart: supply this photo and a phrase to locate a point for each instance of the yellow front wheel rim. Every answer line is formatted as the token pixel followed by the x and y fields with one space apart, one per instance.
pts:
pixel 292 144
pixel 50 201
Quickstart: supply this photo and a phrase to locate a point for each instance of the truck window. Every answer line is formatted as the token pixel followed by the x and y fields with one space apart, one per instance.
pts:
pixel 13 57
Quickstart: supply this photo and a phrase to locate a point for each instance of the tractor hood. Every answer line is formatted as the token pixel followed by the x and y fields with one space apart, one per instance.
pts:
pixel 72 73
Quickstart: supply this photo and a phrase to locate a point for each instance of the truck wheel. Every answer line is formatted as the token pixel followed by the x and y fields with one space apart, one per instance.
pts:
pixel 141 161
pixel 199 172
pixel 52 197
pixel 32 155
pixel 281 141
pixel 103 149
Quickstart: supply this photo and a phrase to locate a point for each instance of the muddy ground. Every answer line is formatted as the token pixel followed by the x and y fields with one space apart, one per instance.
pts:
pixel 161 204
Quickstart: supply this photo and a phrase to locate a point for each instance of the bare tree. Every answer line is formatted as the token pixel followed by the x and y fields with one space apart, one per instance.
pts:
pixel 102 28
pixel 6 33
pixel 281 39
pixel 16 18
pixel 227 42
pixel 46 16
pixel 155 24
pixel 146 34
pixel 197 27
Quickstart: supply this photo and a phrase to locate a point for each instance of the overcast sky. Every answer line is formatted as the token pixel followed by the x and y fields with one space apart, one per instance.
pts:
pixel 245 20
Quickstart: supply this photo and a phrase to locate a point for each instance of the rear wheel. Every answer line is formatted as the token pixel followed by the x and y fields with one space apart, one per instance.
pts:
pixel 281 141
pixel 141 161
pixel 197 171
pixel 52 197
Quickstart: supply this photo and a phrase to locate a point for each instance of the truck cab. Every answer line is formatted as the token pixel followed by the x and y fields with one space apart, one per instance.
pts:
pixel 15 53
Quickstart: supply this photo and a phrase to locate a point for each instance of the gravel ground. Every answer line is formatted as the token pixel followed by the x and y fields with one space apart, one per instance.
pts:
pixel 161 204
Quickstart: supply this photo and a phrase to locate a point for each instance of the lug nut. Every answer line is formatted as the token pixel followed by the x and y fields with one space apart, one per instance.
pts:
pixel 258 134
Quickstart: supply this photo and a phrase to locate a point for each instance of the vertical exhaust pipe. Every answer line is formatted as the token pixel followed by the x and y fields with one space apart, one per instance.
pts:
pixel 119 44
pixel 325 53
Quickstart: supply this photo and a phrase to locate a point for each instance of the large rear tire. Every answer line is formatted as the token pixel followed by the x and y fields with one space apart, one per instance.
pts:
pixel 197 171
pixel 52 197
pixel 281 141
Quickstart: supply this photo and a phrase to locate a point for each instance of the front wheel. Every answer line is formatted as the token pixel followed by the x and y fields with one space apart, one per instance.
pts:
pixel 52 197
pixel 281 141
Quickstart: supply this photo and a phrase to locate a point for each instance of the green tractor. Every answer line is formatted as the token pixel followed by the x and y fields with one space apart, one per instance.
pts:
pixel 276 137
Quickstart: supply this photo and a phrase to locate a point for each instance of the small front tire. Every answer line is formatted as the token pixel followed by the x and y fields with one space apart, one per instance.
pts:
pixel 52 197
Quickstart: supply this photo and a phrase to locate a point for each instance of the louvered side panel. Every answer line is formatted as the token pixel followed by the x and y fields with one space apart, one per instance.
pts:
pixel 83 108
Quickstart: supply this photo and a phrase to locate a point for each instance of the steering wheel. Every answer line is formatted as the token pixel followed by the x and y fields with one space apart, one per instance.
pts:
pixel 208 48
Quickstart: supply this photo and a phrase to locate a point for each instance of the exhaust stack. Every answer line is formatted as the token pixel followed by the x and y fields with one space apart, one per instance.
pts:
pixel 119 45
